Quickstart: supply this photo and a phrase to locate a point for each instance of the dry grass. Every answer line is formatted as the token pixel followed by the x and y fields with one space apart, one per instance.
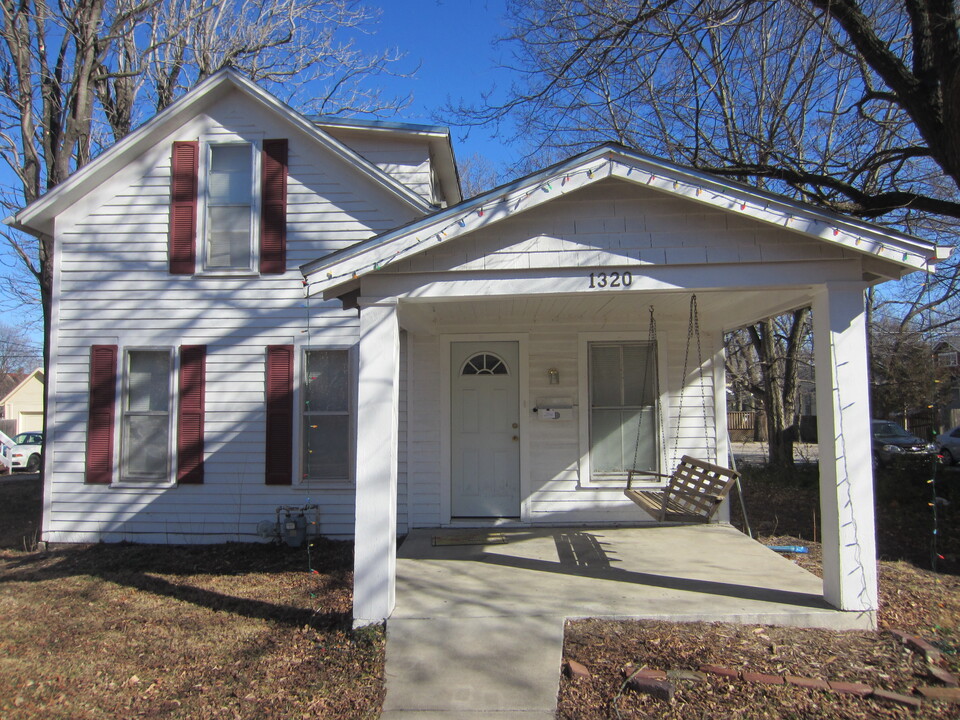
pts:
pixel 226 631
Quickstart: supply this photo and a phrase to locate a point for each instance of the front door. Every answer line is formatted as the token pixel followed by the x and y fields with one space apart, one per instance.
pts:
pixel 485 418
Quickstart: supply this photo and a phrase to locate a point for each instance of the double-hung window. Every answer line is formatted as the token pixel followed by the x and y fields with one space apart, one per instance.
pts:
pixel 145 448
pixel 623 418
pixel 326 395
pixel 229 228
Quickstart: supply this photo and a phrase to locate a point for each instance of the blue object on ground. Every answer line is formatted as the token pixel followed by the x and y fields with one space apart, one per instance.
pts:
pixel 799 549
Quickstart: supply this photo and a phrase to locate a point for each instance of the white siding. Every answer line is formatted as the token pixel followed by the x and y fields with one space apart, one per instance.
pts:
pixel 618 223
pixel 405 159
pixel 114 288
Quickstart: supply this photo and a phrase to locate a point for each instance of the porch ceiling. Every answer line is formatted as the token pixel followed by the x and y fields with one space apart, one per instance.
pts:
pixel 726 310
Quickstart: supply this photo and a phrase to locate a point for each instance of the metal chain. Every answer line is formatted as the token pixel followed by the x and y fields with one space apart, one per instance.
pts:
pixel 651 346
pixel 693 330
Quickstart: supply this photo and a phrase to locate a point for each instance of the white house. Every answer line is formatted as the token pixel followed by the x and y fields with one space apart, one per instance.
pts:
pixel 254 309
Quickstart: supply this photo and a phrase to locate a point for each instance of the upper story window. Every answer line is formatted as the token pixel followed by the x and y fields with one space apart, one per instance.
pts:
pixel 235 220
pixel 229 228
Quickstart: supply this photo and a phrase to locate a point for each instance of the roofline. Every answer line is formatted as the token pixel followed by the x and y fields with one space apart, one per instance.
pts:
pixel 385 125
pixel 676 173
pixel 26 219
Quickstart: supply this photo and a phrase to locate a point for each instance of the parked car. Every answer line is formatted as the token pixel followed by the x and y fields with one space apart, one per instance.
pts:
pixel 26 452
pixel 950 446
pixel 893 444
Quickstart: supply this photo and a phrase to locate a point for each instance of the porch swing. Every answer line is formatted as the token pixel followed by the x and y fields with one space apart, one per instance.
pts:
pixel 696 488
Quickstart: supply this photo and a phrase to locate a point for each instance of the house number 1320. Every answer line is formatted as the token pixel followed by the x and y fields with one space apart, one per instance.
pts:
pixel 614 279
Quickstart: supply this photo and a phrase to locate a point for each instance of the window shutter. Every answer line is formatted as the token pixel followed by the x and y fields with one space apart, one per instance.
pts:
pixel 273 208
pixel 279 454
pixel 183 208
pixel 190 414
pixel 103 396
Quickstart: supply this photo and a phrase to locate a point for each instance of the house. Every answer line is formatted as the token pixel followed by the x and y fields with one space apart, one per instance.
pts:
pixel 947 370
pixel 253 309
pixel 23 402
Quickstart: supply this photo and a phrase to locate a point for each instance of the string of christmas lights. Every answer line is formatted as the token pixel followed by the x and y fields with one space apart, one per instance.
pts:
pixel 474 218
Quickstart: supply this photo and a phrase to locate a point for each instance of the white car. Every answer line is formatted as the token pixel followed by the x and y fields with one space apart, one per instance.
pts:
pixel 950 446
pixel 26 452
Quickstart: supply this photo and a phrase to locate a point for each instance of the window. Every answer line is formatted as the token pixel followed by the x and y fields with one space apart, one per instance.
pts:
pixel 229 207
pixel 484 364
pixel 623 418
pixel 326 415
pixel 145 421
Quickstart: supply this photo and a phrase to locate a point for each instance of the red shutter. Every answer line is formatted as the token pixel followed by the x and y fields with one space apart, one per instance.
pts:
pixel 279 455
pixel 183 208
pixel 273 227
pixel 103 396
pixel 190 414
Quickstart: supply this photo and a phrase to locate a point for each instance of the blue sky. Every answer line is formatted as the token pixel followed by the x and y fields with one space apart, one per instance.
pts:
pixel 452 40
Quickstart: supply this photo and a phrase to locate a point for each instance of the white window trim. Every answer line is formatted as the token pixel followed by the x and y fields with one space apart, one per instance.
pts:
pixel 304 483
pixel 584 340
pixel 255 141
pixel 122 383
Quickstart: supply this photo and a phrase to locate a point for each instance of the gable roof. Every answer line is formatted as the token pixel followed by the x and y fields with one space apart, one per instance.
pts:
pixel 18 381
pixel 605 161
pixel 37 217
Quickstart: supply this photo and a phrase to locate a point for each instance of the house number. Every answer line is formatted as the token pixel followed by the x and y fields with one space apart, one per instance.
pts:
pixel 613 279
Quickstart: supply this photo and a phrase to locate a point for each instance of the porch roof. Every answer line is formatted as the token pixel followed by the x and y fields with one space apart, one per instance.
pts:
pixel 897 253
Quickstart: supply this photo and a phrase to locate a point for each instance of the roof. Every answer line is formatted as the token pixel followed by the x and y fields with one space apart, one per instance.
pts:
pixel 951 341
pixel 37 217
pixel 605 161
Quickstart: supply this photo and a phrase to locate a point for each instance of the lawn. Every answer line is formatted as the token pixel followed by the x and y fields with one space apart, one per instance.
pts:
pixel 221 631
pixel 258 631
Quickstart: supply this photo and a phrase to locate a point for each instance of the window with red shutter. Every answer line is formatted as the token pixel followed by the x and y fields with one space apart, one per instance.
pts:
pixel 183 208
pixel 279 431
pixel 103 393
pixel 190 411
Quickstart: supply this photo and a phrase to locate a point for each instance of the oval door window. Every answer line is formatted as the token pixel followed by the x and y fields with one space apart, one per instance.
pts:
pixel 484 364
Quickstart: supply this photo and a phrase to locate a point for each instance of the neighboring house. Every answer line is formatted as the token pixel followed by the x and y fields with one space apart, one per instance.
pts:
pixel 23 403
pixel 947 368
pixel 252 309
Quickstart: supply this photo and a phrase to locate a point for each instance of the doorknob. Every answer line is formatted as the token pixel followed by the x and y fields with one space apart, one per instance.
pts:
pixel 515 426
pixel 515 437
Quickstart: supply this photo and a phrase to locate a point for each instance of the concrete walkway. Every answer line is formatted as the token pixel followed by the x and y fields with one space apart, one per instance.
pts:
pixel 478 628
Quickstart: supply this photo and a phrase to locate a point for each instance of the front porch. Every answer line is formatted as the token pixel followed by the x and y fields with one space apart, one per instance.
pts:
pixel 478 629
pixel 682 573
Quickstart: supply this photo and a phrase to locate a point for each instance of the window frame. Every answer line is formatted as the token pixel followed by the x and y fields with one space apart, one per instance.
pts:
pixel 205 163
pixel 121 477
pixel 351 413
pixel 585 342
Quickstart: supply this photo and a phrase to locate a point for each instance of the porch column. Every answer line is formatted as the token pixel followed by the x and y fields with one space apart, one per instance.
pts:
pixel 378 401
pixel 843 427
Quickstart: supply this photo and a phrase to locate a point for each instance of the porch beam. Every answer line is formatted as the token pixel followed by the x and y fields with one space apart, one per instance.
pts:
pixel 378 411
pixel 843 426
pixel 644 278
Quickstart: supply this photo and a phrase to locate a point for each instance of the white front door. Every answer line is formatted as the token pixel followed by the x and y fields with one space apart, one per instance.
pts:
pixel 485 418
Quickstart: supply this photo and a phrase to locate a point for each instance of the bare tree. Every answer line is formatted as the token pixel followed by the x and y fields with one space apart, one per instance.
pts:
pixel 18 353
pixel 852 105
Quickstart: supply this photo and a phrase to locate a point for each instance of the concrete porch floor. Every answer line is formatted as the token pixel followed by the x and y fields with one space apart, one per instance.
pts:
pixel 478 629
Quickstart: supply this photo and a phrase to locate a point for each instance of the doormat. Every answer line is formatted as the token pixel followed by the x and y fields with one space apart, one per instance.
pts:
pixel 470 538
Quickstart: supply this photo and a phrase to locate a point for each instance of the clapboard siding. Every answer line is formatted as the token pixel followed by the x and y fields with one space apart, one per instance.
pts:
pixel 114 285
pixel 407 160
pixel 618 223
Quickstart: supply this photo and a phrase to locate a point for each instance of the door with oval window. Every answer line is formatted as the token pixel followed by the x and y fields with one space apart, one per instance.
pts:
pixel 485 435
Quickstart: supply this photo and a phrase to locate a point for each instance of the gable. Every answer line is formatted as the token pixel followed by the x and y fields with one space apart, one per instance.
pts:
pixel 123 224
pixel 618 223
pixel 125 155
pixel 717 204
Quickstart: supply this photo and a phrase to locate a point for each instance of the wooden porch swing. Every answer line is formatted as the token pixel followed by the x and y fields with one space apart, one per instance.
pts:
pixel 696 488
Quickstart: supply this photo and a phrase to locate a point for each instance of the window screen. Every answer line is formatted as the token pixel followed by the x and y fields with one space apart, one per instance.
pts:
pixel 326 415
pixel 145 433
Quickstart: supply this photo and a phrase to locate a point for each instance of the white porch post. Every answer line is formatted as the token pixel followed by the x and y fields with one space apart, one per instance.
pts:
pixel 843 425
pixel 378 401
